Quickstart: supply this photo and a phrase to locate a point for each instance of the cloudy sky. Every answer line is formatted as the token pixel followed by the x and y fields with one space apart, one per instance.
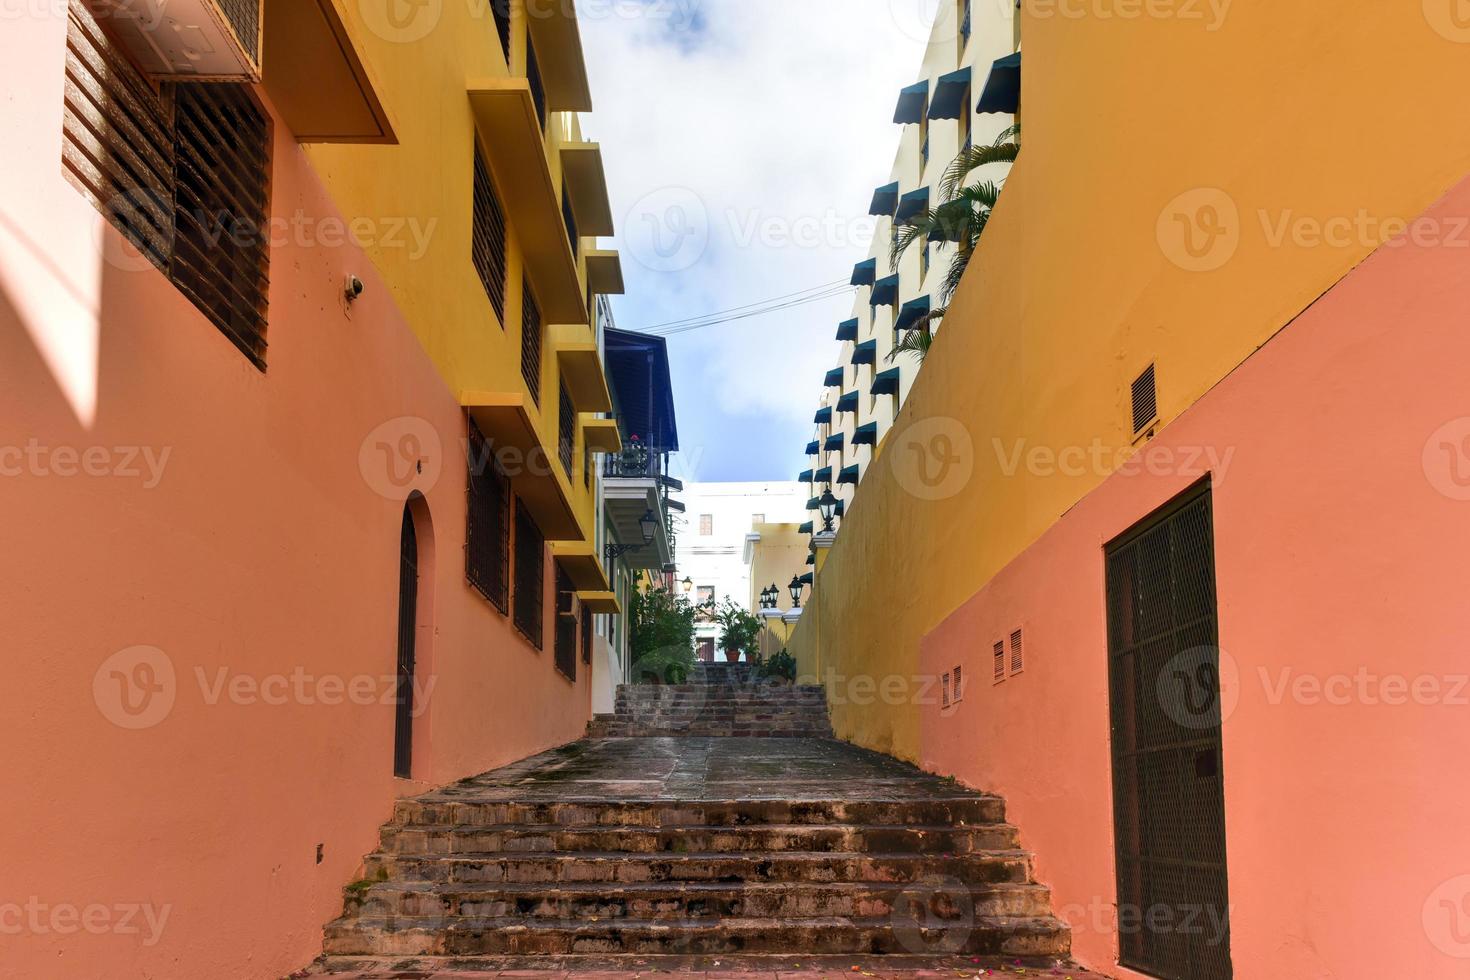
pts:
pixel 743 140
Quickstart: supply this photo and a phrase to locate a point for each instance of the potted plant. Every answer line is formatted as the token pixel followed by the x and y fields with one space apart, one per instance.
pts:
pixel 739 631
pixel 780 667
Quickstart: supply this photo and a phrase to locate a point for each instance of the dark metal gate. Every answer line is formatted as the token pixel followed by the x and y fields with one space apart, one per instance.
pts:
pixel 1168 777
pixel 408 599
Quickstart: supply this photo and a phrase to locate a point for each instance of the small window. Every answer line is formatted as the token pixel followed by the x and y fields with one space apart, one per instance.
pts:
pixel 706 524
pixel 923 261
pixel 487 239
pixel 569 218
pixel 586 636
pixel 565 650
pixel 924 141
pixel 530 342
pixel 1018 657
pixel 1145 400
pixel 757 518
pixel 530 574
pixel 533 76
pixel 704 595
pixel 944 691
pixel 566 442
pixel 1000 662
pixel 487 536
pixel 957 684
pixel 965 21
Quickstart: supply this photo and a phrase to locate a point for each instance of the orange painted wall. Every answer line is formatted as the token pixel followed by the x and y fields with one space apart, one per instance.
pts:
pixel 1341 541
pixel 269 545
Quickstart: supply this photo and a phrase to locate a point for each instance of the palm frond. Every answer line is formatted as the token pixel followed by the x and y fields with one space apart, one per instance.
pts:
pixel 1006 148
pixel 916 342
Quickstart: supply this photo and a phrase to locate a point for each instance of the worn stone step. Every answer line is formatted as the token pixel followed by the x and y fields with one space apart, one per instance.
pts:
pixel 979 867
pixel 1003 935
pixel 893 966
pixel 696 901
pixel 935 811
pixel 480 839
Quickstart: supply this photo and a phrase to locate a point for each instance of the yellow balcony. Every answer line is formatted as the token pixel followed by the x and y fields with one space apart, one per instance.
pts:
pixel 579 559
pixel 515 149
pixel 509 423
pixel 558 40
pixel 587 185
pixel 604 271
pixel 316 77
pixel 602 435
pixel 601 602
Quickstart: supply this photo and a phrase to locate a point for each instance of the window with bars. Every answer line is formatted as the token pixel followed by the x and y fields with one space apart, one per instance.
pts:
pixel 530 341
pixel 530 577
pixel 565 640
pixel 586 636
pixel 958 683
pixel 183 173
pixel 944 700
pixel 706 524
pixel 533 76
pixel 1018 657
pixel 487 238
pixel 487 536
pixel 501 10
pixel 566 442
pixel 1000 662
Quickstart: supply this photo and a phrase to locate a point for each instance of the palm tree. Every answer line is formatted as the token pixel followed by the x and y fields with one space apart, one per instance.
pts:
pixel 959 220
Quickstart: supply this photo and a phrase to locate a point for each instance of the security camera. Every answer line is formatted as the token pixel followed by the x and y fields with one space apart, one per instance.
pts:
pixel 354 288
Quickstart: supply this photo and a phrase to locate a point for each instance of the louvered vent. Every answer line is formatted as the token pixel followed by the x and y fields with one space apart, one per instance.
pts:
pixel 957 684
pixel 1000 662
pixel 1145 400
pixel 1018 658
pixel 944 691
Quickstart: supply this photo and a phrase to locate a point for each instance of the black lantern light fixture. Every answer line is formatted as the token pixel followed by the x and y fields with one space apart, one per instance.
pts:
pixel 688 584
pixel 648 527
pixel 828 507
pixel 795 588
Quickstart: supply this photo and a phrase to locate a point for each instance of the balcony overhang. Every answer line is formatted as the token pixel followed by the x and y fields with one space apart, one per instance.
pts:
pixel 558 40
pixel 603 603
pixel 626 500
pixel 509 425
pixel 605 271
pixel 581 370
pixel 587 183
pixel 602 435
pixel 579 559
pixel 515 148
pixel 316 78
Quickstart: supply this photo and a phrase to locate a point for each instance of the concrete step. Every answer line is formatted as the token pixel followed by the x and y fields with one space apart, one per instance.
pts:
pixel 993 935
pixel 688 901
pixel 612 867
pixel 520 838
pixel 934 811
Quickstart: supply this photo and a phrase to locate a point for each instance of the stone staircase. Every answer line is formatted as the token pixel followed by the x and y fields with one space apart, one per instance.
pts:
pixel 612 850
pixel 720 701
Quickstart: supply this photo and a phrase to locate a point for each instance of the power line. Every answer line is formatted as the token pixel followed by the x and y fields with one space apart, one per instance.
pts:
pixel 736 309
pixel 775 304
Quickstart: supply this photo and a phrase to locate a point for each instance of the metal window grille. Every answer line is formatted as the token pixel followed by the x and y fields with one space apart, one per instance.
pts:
pixel 569 217
pixel 487 239
pixel 1164 693
pixel 586 635
pixel 487 536
pixel 1000 662
pixel 565 650
pixel 221 196
pixel 1145 400
pixel 408 589
pixel 533 76
pixel 244 17
pixel 530 577
pixel 501 10
pixel 1018 656
pixel 530 342
pixel 566 442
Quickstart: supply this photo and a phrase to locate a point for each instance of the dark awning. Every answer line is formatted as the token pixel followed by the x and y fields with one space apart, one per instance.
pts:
pixel 823 416
pixel 638 374
pixel 811 559
pixel 885 291
pixel 848 402
pixel 864 272
pixel 841 508
pixel 814 503
pixel 886 383
pixel 1003 87
pixel 911 312
pixel 848 475
pixel 847 330
pixel 807 528
pixel 834 378
pixel 866 435
pixel 805 476
pixel 865 353
pixel 911 205
pixel 949 95
pixel 834 443
pixel 812 448
pixel 823 475
pixel 885 199
pixel 911 103
pixel 807 578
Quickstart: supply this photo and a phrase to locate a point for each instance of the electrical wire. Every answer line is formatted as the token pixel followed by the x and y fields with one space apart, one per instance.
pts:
pixel 814 294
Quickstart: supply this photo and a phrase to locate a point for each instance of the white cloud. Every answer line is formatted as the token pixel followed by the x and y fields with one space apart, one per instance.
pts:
pixel 773 120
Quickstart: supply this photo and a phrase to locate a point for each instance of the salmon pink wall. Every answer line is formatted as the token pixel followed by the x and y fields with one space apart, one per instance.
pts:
pixel 1342 527
pixel 264 543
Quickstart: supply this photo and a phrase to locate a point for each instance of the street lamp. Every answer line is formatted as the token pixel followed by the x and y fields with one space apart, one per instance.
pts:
pixel 775 591
pixel 688 584
pixel 795 588
pixel 648 524
pixel 828 507
pixel 765 598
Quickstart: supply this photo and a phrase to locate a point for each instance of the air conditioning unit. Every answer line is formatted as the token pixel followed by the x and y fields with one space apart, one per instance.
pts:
pixel 187 40
pixel 567 605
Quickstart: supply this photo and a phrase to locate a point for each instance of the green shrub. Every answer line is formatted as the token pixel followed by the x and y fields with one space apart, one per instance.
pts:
pixel 782 665
pixel 662 637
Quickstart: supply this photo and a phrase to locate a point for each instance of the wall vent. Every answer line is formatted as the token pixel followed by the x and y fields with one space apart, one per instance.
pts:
pixel 1145 400
pixel 944 691
pixel 1000 662
pixel 1018 658
pixel 957 684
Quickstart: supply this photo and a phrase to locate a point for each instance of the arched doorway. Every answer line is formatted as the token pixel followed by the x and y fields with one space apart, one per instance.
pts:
pixel 408 600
